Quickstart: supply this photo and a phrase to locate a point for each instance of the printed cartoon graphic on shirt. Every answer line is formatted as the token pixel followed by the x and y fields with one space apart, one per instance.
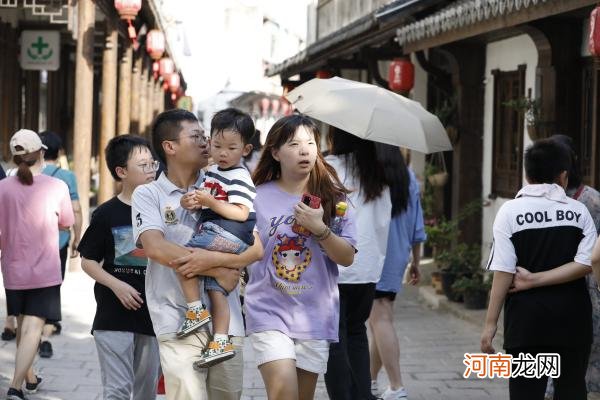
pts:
pixel 291 257
pixel 216 190
pixel 128 258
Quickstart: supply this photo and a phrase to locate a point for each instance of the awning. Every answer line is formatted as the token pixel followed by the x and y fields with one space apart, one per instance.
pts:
pixel 364 31
pixel 467 18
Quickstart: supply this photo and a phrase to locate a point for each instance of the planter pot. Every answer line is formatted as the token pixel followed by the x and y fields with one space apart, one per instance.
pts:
pixel 448 279
pixel 535 132
pixel 438 180
pixel 436 282
pixel 475 299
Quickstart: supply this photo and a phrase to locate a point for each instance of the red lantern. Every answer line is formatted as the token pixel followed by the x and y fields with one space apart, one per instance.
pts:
pixel 155 44
pixel 166 67
pixel 594 40
pixel 275 106
pixel 323 74
pixel 174 82
pixel 401 75
pixel 264 105
pixel 285 107
pixel 128 9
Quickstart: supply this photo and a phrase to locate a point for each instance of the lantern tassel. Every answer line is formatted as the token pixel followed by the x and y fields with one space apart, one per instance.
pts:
pixel 132 34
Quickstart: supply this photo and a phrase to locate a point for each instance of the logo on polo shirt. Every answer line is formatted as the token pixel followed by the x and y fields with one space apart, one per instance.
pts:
pixel 170 216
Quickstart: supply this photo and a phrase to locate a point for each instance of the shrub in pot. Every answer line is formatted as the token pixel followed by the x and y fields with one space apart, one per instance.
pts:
pixel 474 289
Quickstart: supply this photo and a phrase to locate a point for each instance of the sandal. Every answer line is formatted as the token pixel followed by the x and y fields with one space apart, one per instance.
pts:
pixel 8 334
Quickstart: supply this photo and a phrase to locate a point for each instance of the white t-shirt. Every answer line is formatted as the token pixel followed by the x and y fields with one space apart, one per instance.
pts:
pixel 155 206
pixel 372 227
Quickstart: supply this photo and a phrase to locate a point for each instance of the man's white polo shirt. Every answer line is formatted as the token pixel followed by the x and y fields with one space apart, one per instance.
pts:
pixel 155 206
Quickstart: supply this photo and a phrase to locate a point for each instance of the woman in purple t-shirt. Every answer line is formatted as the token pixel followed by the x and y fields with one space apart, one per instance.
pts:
pixel 292 300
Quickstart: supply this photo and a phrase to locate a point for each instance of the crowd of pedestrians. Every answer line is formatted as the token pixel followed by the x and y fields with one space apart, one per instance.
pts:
pixel 323 243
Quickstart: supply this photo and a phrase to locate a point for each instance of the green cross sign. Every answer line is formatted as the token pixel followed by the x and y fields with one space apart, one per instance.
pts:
pixel 40 50
pixel 39 45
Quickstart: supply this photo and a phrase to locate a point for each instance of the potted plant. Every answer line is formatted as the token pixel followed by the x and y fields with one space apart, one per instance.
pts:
pixel 530 109
pixel 474 289
pixel 458 262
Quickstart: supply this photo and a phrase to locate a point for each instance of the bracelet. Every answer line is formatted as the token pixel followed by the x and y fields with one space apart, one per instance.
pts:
pixel 323 235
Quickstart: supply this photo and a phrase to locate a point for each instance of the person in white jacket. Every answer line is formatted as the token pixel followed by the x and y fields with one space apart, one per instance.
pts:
pixel 356 162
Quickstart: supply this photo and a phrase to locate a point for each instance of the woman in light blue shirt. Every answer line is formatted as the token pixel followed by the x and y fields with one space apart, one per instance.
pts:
pixel 405 235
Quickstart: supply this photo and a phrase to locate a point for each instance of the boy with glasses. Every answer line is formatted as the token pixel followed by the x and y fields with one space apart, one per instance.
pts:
pixel 122 329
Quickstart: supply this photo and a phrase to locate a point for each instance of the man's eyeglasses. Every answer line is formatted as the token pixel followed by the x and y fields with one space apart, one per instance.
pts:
pixel 149 167
pixel 196 137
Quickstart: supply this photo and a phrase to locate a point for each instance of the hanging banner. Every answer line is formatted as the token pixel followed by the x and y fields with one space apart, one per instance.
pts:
pixel 40 50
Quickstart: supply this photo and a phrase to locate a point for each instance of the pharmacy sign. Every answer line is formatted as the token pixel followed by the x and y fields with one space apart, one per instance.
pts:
pixel 40 50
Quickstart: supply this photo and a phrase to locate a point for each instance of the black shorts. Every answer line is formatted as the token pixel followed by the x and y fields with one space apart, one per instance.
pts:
pixel 43 302
pixel 389 295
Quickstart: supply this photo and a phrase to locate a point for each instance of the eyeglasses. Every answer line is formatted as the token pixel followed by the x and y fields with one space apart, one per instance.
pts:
pixel 149 167
pixel 196 137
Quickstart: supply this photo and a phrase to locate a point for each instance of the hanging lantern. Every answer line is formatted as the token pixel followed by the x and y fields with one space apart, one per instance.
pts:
pixel 165 84
pixel 264 105
pixel 155 44
pixel 275 103
pixel 128 10
pixel 174 83
pixel 594 40
pixel 323 74
pixel 166 67
pixel 401 75
pixel 285 107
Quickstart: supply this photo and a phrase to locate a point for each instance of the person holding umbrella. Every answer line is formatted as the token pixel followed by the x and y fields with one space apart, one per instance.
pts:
pixel 359 168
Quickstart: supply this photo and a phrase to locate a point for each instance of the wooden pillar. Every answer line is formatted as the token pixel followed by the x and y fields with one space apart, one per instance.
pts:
pixel 468 153
pixel 143 101
pixel 157 99
pixel 84 99
pixel 135 96
pixel 150 106
pixel 109 110
pixel 124 117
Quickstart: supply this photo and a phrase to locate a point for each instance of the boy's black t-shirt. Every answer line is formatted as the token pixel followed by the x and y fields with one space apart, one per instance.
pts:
pixel 110 238
pixel 541 230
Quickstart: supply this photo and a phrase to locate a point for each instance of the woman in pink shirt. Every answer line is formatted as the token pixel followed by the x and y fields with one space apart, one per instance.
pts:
pixel 34 206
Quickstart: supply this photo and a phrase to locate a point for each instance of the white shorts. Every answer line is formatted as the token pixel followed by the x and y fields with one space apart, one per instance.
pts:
pixel 310 355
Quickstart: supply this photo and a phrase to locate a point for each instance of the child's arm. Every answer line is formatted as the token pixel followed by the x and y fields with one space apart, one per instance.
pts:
pixel 501 283
pixel 234 212
pixel 188 201
pixel 127 295
pixel 524 279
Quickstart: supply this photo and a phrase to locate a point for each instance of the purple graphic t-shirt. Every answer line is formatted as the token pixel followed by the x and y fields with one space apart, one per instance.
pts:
pixel 293 289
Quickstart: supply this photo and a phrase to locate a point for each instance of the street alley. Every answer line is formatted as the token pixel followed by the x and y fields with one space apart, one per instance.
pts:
pixel 432 344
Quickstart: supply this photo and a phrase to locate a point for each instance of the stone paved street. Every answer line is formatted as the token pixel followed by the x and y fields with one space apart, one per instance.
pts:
pixel 433 344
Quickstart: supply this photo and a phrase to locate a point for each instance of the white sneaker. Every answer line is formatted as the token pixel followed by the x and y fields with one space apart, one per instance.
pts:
pixel 374 388
pixel 398 394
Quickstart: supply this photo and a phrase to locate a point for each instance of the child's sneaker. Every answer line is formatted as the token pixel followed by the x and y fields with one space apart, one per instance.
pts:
pixel 195 317
pixel 398 394
pixel 216 352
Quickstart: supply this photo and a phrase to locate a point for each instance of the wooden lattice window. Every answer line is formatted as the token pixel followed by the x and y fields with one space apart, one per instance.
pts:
pixel 507 163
